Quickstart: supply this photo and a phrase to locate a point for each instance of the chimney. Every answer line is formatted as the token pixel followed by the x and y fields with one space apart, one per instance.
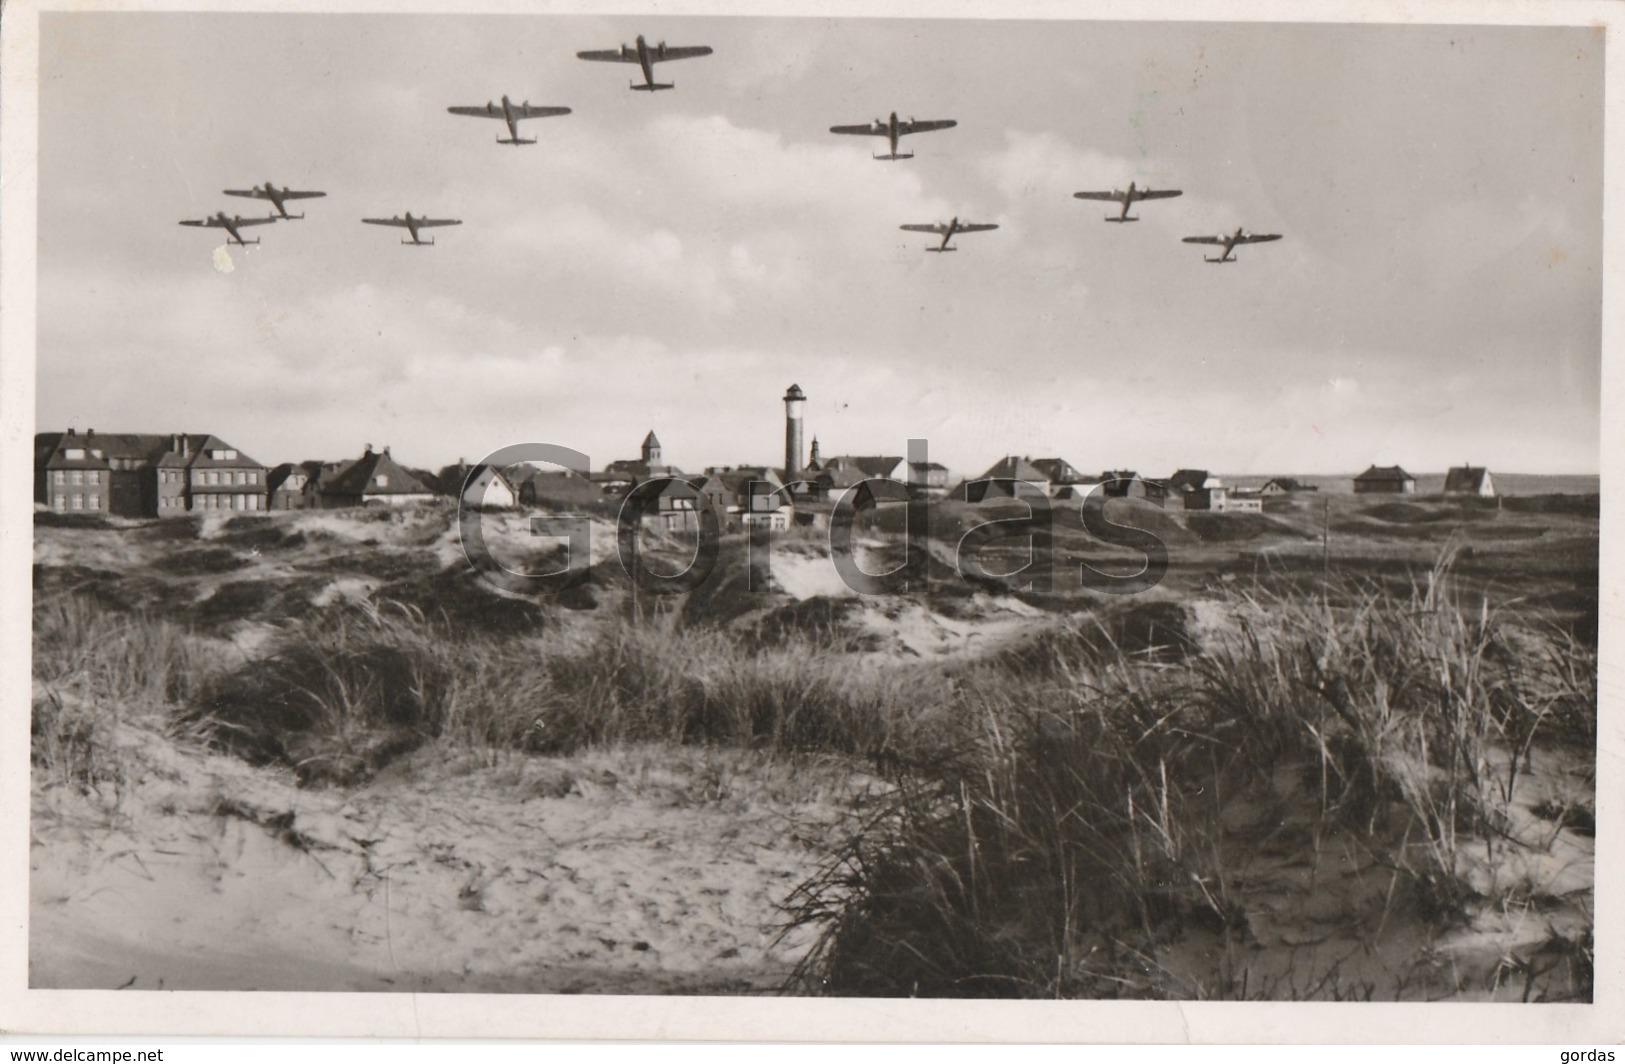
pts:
pixel 89 433
pixel 386 450
pixel 72 433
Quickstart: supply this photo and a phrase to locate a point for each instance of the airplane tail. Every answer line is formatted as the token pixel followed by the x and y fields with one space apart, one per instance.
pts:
pixel 651 87
pixel 1217 261
pixel 1115 218
pixel 515 140
pixel 896 155
pixel 245 243
pixel 942 249
pixel 429 243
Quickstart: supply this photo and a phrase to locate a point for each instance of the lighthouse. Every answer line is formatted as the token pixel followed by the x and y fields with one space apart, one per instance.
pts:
pixel 794 401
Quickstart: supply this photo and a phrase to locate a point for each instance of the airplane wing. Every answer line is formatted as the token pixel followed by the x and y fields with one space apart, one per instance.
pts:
pixel 1168 193
pixel 519 111
pixel 207 223
pixel 912 126
pixel 259 193
pixel 938 228
pixel 1216 241
pixel 660 55
pixel 252 221
pixel 860 131
pixel 609 55
pixel 976 227
pixel 1112 197
pixel 388 221
pixel 1258 238
pixel 430 223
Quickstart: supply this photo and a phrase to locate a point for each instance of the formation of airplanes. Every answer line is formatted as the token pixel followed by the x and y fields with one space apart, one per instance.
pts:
pixel 646 56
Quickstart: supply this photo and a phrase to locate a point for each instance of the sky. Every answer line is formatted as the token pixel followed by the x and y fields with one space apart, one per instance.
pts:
pixel 675 260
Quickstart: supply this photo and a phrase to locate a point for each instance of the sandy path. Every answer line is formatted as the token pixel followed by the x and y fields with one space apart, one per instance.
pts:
pixel 642 871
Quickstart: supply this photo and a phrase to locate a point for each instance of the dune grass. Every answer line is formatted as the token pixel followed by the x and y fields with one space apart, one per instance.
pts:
pixel 1094 814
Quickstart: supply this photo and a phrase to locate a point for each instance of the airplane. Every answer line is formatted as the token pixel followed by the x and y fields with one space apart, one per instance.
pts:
pixel 646 57
pixel 413 224
pixel 277 196
pixel 510 113
pixel 1240 236
pixel 892 129
pixel 219 221
pixel 948 231
pixel 1127 199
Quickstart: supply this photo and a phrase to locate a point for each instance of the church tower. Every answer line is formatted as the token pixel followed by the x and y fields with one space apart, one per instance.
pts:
pixel 651 450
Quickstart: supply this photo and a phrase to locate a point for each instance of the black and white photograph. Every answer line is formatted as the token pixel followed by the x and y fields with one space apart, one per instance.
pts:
pixel 890 504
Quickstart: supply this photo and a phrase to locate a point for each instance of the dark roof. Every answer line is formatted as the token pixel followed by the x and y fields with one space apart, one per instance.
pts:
pixel 880 489
pixel 1012 468
pixel 360 478
pixel 1286 484
pixel 651 440
pixel 928 467
pixel 1188 479
pixel 1059 470
pixel 1465 479
pixel 869 465
pixel 1384 473
pixel 144 447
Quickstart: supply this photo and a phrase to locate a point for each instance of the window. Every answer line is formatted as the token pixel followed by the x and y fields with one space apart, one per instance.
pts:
pixel 214 478
pixel 253 476
pixel 381 480
pixel 242 477
pixel 76 477
pixel 59 477
pixel 253 502
pixel 75 454
pixel 78 502
pixel 222 454
pixel 93 477
pixel 95 501
pixel 61 502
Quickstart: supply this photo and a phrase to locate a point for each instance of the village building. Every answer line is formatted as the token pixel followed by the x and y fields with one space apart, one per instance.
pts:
pixel 1127 484
pixel 374 479
pixel 928 479
pixel 1390 480
pixel 1196 489
pixel 1284 486
pixel 1002 479
pixel 647 466
pixel 293 486
pixel 144 474
pixel 747 497
pixel 838 475
pixel 487 487
pixel 1469 480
